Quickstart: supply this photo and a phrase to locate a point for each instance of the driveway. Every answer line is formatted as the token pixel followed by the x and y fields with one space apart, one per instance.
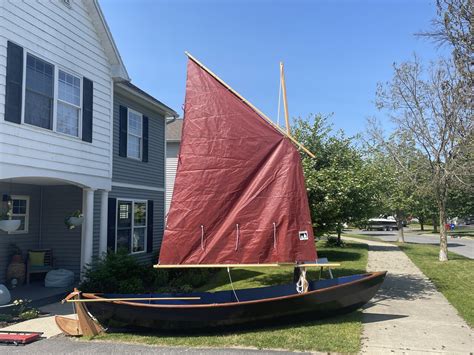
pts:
pixel 63 345
pixel 461 246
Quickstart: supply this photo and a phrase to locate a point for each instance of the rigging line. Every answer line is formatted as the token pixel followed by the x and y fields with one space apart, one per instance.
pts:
pixel 202 237
pixel 274 235
pixel 238 236
pixel 302 284
pixel 232 285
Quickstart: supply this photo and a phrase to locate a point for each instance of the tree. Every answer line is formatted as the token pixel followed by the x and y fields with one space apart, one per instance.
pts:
pixel 395 188
pixel 430 108
pixel 453 27
pixel 336 180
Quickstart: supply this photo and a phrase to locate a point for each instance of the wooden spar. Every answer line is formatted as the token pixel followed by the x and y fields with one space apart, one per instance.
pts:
pixel 285 102
pixel 260 113
pixel 131 299
pixel 184 266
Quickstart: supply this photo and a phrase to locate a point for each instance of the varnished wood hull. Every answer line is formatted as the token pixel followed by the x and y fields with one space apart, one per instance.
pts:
pixel 255 307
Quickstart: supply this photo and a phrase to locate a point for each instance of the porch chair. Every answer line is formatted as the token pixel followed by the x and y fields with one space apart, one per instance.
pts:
pixel 39 261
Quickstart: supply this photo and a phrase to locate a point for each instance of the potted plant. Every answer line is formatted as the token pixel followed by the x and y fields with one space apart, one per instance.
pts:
pixel 74 220
pixel 16 254
pixel 6 223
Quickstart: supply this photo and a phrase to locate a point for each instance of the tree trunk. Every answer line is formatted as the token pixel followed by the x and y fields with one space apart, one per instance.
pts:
pixel 443 238
pixel 422 225
pixel 401 235
pixel 435 225
pixel 339 231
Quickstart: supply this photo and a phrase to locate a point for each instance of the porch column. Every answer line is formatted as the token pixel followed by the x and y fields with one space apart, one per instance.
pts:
pixel 104 213
pixel 87 227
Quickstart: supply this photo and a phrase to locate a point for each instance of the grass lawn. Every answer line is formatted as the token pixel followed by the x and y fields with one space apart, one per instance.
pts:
pixel 455 278
pixel 338 334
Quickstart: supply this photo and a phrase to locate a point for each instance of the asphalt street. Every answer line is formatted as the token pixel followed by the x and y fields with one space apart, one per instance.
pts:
pixel 461 246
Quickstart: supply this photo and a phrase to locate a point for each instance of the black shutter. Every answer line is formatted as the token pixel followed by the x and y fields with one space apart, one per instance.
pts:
pixel 111 220
pixel 87 109
pixel 149 241
pixel 14 82
pixel 145 139
pixel 123 131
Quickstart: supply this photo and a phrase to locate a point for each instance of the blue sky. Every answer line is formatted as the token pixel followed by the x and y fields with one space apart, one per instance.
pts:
pixel 334 52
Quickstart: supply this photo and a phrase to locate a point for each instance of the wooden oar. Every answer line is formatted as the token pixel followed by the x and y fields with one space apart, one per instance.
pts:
pixel 132 299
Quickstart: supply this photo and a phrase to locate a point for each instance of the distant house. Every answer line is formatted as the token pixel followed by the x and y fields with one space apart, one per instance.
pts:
pixel 75 134
pixel 173 140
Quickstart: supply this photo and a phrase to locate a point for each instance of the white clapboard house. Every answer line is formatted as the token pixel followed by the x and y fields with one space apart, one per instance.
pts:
pixel 75 135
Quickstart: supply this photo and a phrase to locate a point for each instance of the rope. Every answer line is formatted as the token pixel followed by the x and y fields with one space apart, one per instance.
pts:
pixel 232 285
pixel 202 237
pixel 238 236
pixel 302 284
pixel 274 235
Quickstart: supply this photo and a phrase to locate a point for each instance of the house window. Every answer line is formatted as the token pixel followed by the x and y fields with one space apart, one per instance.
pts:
pixel 51 103
pixel 134 139
pixel 39 92
pixel 69 103
pixel 131 225
pixel 20 210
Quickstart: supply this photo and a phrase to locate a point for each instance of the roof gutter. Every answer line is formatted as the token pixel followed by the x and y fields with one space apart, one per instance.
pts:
pixel 166 110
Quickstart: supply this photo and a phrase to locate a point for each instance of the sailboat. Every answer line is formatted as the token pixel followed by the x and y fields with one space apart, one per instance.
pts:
pixel 239 200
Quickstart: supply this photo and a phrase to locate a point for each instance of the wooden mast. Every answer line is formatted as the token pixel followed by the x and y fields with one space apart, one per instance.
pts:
pixel 285 102
pixel 260 113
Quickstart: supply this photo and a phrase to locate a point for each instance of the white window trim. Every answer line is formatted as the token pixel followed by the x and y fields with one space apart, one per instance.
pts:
pixel 56 95
pixel 133 223
pixel 128 133
pixel 26 215
pixel 56 69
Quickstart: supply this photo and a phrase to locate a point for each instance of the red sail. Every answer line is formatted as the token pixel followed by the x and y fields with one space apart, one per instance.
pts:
pixel 239 195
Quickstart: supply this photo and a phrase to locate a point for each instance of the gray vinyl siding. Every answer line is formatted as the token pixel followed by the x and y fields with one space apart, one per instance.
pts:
pixel 59 202
pixel 132 171
pixel 172 150
pixel 49 205
pixel 158 198
pixel 96 225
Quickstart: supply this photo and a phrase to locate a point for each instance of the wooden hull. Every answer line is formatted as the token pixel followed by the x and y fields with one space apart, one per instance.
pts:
pixel 255 307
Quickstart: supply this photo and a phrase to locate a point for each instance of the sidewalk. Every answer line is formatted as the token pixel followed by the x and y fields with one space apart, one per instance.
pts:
pixel 408 315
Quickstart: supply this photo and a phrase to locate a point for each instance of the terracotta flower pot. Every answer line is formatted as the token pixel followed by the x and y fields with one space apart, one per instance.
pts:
pixel 17 259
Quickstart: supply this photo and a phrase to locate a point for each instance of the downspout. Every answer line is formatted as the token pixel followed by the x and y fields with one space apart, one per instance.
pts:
pixel 168 121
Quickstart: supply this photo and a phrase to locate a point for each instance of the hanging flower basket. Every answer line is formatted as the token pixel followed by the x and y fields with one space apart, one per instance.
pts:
pixel 9 225
pixel 75 220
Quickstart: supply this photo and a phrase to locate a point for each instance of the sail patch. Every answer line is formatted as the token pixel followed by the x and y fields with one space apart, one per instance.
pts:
pixel 303 235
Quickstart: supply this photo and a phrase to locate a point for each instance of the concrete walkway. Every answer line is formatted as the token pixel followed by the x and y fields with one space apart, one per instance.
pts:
pixel 47 325
pixel 408 315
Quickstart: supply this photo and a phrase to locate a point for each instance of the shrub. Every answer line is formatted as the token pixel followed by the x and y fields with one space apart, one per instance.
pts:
pixel 122 273
pixel 334 242
pixel 30 314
